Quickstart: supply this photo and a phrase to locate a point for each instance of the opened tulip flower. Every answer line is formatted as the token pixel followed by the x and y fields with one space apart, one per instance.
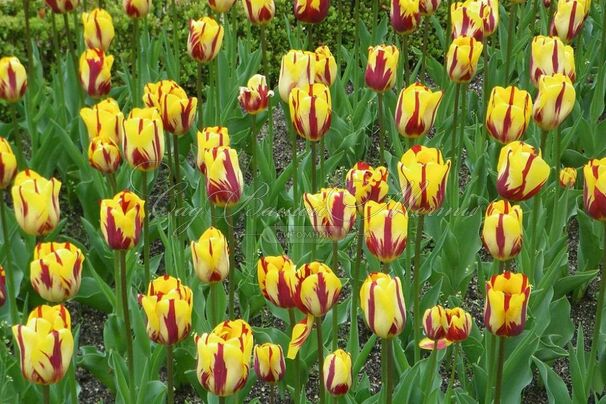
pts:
pixel 554 102
pixel 56 271
pixel 549 55
pixel 569 18
pixel 521 172
pixel 385 229
pixel 568 177
pixel 332 212
pixel 153 93
pixel 62 6
pixel 317 289
pixel 462 59
pixel 254 98
pixel 98 29
pixel 209 138
pixel 405 15
pixel 381 68
pixel 502 233
pixel 122 220
pixel 428 7
pixel 468 19
pixel 277 277
pixel 177 110
pixel 259 12
pixel 204 40
pixel 136 8
pixel 103 120
pixel 13 79
pixel 382 303
pixel 104 155
pixel 337 372
pixel 459 324
pixel 36 202
pixel 269 363
pixel 296 70
pixel 325 66
pixel 435 327
pixel 221 6
pixel 311 11
pixel 96 72
pixel 210 256
pixel 594 190
pixel 416 110
pixel 143 139
pixel 311 111
pixel 8 164
pixel 366 183
pixel 507 297
pixel 2 286
pixel 224 180
pixel 508 113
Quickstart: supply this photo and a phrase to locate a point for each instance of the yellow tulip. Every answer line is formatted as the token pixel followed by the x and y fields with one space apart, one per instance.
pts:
pixel 176 108
pixel 104 155
pixel 13 79
pixel 337 372
pixel 460 324
pixel 594 189
pixel 8 164
pixel 36 202
pixel 56 271
pixel 383 305
pixel 254 98
pixel 221 6
pixel 381 67
pixel 224 180
pixel 555 101
pixel 296 70
pixel 503 229
pixel 103 120
pixel 325 66
pixel 416 110
pixel 143 139
pixel 136 8
pixel 259 12
pixel 269 362
pixel 405 15
pixel 311 11
pixel 204 40
pixel 96 72
pixel 385 229
pixel 311 111
pixel 332 212
pixel 549 55
pixel 569 18
pixel 489 10
pixel 507 297
pixel 209 138
pixel 428 7
pixel 366 184
pixel 568 177
pixel 210 256
pixel 508 113
pixel 121 220
pixel 62 6
pixel 277 277
pixel 521 172
pixel 98 29
pixel 317 289
pixel 467 19
pixel 462 59
pixel 435 323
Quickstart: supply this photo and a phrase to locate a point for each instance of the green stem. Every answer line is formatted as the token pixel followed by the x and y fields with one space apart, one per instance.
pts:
pixel 460 143
pixel 453 145
pixel 46 393
pixel 221 400
pixel 431 370
pixel 169 374
pixel 10 282
pixel 118 307
pixel 179 204
pixel 213 297
pixel 28 39
pixel 486 84
pixel 322 154
pixel 510 38
pixel 335 307
pixel 381 128
pixel 404 58
pixel 535 217
pixel 293 322
pixel 146 230
pixel 74 383
pixel 135 56
pixel 340 17
pixel 375 20
pixel 425 29
pixel 266 71
pixel 603 48
pixel 113 187
pixel 356 66
pixel 58 67
pixel 387 365
pixel 416 287
pixel 200 96
pixel 453 371
pixel 18 141
pixel 490 364
pixel 314 158
pixel 500 363
pixel 295 173
pixel 232 262
pixel 217 92
pixel 355 293
pixel 70 44
pixel 597 327
pixel 320 359
pixel 448 28
pixel 129 335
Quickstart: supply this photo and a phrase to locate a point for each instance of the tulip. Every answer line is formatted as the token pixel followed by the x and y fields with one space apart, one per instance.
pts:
pixel 143 139
pixel 332 212
pixel 56 270
pixel 62 6
pixel 300 333
pixel 468 19
pixel 569 18
pixel 521 171
pixel 98 29
pixel 277 277
pixel 506 302
pixel 311 11
pixel 405 15
pixel 269 362
pixel 317 289
pixel 423 177
pixel 594 190
pixel 221 6
pixel 210 256
pixel 337 372
pixel 489 11
pixel 209 138
pixel 459 324
pixel 2 286
pixel 502 233
pixel 385 229
pixel 224 181
pixel 568 177
pixel 104 155
pixel 259 12
pixel 13 79
pixel 176 108
pixel 367 184
pixel 462 59
pixel 428 7
pixel 416 110
pixel 136 8
pixel 508 113
pixel 205 39
pixel 381 68
pixel 382 303
pixel 168 307
pixel 549 55
pixel 153 93
pixel 311 111
pixel 103 120
pixel 325 66
pixel 254 98
pixel 36 202
pixel 8 164
pixel 95 72
pixel 435 323
pixel 555 101
pixel 121 220
pixel 297 70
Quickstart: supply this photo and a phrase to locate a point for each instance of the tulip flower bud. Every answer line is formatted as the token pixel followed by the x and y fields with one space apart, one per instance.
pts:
pixel 459 324
pixel 568 177
pixel 136 8
pixel 435 323
pixel 569 18
pixel 337 372
pixel 96 72
pixel 382 303
pixel 325 66
pixel 143 139
pixel 8 164
pixel 546 3
pixel 489 11
pixel 121 220
pixel 554 102
pixel 428 7
pixel 382 67
pixel 2 286
pixel 176 108
pixel 462 59
pixel 221 6
pixel 13 79
pixel 46 344
pixel 317 289
pixel 56 270
pixel 209 138
pixel 594 198
pixel 503 229
pixel 311 11
pixel 259 12
pixel 98 29
pixel 153 93
pixel 104 120
pixel 254 98
pixel 385 229
pixel 311 111
pixel 508 113
pixel 423 177
pixel 405 15
pixel 467 19
pixel 549 55
pixel 224 180
pixel 269 362
pixel 204 40
pixel 367 184
pixel 36 202
pixel 62 6
pixel 168 307
pixel 416 110
pixel 277 277
pixel 507 297
pixel 297 70
pixel 104 155
pixel 521 171
pixel 331 212
pixel 210 256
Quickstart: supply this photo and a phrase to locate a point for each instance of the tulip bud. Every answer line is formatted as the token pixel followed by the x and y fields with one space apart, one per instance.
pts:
pixel 489 11
pixel 555 101
pixel 521 171
pixel 153 93
pixel 13 79
pixel 221 6
pixel 210 256
pixel 367 184
pixel 205 39
pixel 435 323
pixel 568 177
pixel 416 110
pixel 423 177
pixel 311 11
pixel 382 67
pixel 269 362
pixel 508 113
pixel 325 66
pixel 569 18
pixel 385 229
pixel 36 202
pixel 506 302
pixel 467 19
pixel 96 72
pixel 428 7
pixel 462 59
pixel 317 289
pixel 98 29
pixel 168 307
pixel 8 164
pixel 503 229
pixel 2 286
pixel 56 270
pixel 459 324
pixel 136 8
pixel 254 98
pixel 176 108
pixel 549 55
pixel 297 70
pixel 143 139
pixel 224 181
pixel 311 111
pixel 209 138
pixel 62 6
pixel 277 277
pixel 259 12
pixel 104 155
pixel 594 198
pixel 382 303
pixel 104 120
pixel 331 212
pixel 121 220
pixel 337 372
pixel 405 15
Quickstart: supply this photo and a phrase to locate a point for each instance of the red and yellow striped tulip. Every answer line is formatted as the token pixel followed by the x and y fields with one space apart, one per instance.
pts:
pixel 416 110
pixel 405 15
pixel 277 277
pixel 489 10
pixel 36 202
pixel 332 212
pixel 269 363
pixel 224 180
pixel 428 7
pixel 521 172
pixel 210 256
pixel 337 372
pixel 62 6
pixel 296 70
pixel 209 138
pixel 177 110
pixel 204 40
pixel 382 67
pixel 13 79
pixel 325 66
pixel 221 6
pixel 383 305
pixel 136 8
pixel 317 289
pixel 96 72
pixel 104 155
pixel 503 230
pixel 508 113
pixel 300 333
pixel 459 324
pixel 594 189
pixel 103 120
pixel 311 111
pixel 554 102
pixel 467 19
pixel 8 164
pixel 462 59
pixel 56 271
pixel 435 323
pixel 98 29
pixel 385 229
pixel 254 98
pixel 549 55
pixel 153 93
pixel 122 220
pixel 143 139
pixel 366 183
pixel 569 18
pixel 568 177
pixel 507 297
pixel 259 12
pixel 311 11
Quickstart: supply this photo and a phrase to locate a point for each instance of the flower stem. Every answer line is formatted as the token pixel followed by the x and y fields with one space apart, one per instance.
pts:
pixel 404 58
pixel 200 95
pixel 355 293
pixel 70 45
pixel 595 340
pixel 381 128
pixel 314 158
pixel 453 144
pixel 232 261
pixel 510 37
pixel 490 362
pixel 416 286
pixel 320 359
pixel 46 393
pixel 500 363
pixel 386 366
pixel 295 173
pixel 266 71
pixel 425 29
pixel 169 375
pixel 340 17
pixel 485 83
pixel 335 307
pixel 146 230
pixel 135 56
pixel 17 137
pixel 129 335
pixel 453 371
pixel 10 282
pixel 460 143
pixel 603 48
pixel 28 38
pixel 217 92
pixel 431 370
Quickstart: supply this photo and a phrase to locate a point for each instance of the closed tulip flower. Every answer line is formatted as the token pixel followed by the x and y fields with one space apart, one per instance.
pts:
pixel 36 202
pixel 435 323
pixel 459 324
pixel 423 177
pixel 507 297
pixel 136 8
pixel 177 110
pixel 56 270
pixel 332 212
pixel 568 177
pixel 122 220
pixel 168 306
pixel 254 98
pixel 521 172
pixel 209 138
pixel 405 15
pixel 489 11
pixel 277 277
pixel 569 18
pixel 104 155
pixel 594 190
pixel 366 183
pixel 143 139
pixel 381 68
pixel 311 11
pixel 8 164
pixel 221 6
pixel 2 286
pixel 269 363
pixel 296 70
pixel 311 111
pixel 503 229
pixel 428 7
pixel 462 59
pixel 508 113
pixel 337 372
pixel 210 256
pixel 325 66
pixel 98 29
pixel 549 55
pixel 317 289
pixel 259 12
pixel 96 72
pixel 224 181
pixel 554 102
pixel 103 120
pixel 385 229
pixel 468 19
pixel 13 79
pixel 62 6
pixel 382 303
pixel 153 93
pixel 416 110
pixel 204 40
